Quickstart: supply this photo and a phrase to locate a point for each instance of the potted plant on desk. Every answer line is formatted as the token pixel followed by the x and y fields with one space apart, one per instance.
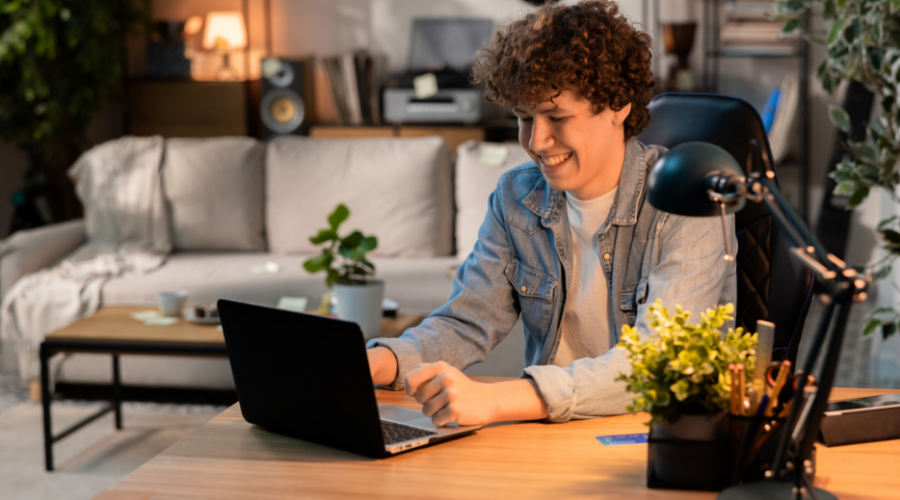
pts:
pixel 681 377
pixel 349 274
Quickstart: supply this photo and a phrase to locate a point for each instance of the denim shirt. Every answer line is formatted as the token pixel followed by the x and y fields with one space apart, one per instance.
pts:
pixel 521 265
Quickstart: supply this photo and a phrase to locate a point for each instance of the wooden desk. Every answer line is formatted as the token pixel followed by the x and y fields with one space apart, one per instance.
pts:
pixel 229 459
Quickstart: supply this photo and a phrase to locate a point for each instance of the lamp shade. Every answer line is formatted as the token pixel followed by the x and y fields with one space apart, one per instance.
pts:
pixel 226 25
pixel 680 180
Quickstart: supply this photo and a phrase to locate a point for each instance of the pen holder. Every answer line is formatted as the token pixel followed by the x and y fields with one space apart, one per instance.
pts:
pixel 742 454
pixel 752 444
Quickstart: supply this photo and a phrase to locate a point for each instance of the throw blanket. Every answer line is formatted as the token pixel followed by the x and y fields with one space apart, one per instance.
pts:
pixel 127 234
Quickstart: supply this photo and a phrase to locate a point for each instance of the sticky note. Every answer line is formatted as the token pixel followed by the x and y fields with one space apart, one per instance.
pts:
pixel 296 304
pixel 493 155
pixel 425 86
pixel 623 439
pixel 145 315
pixel 267 268
pixel 161 321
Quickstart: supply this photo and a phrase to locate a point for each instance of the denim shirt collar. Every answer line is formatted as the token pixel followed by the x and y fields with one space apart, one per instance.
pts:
pixel 548 203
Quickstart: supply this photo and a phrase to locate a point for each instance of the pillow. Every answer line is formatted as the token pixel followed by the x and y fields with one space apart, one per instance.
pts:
pixel 397 189
pixel 478 169
pixel 214 193
pixel 118 183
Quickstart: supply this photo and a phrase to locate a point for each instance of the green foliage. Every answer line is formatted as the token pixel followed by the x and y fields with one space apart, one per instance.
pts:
pixel 60 61
pixel 683 369
pixel 863 45
pixel 342 259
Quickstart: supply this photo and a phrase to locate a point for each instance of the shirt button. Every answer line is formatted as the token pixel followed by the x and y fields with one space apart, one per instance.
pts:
pixel 524 289
pixel 606 256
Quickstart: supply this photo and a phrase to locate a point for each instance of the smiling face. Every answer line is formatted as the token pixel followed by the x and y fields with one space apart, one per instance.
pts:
pixel 577 150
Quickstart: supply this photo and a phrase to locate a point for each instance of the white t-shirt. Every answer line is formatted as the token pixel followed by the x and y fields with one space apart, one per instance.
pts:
pixel 587 320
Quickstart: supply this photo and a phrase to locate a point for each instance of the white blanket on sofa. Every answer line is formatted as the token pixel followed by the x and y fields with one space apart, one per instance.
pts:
pixel 127 234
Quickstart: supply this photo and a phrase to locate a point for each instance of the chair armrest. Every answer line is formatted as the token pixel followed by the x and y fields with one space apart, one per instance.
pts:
pixel 31 250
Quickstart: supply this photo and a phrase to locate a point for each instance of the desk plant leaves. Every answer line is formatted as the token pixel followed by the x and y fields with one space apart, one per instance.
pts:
pixel 682 369
pixel 343 259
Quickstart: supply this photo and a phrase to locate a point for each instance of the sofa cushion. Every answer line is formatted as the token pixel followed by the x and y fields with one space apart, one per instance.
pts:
pixel 418 285
pixel 214 193
pixel 399 190
pixel 477 172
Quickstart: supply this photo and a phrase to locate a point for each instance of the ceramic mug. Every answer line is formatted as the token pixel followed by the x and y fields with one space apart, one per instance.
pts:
pixel 171 302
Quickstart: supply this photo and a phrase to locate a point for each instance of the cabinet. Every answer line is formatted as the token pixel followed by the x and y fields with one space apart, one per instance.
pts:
pixel 187 108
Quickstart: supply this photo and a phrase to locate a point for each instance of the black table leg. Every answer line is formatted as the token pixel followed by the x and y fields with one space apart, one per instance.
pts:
pixel 45 402
pixel 117 391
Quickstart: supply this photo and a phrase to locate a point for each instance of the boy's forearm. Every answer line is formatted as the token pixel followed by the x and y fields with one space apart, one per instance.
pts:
pixel 383 365
pixel 517 400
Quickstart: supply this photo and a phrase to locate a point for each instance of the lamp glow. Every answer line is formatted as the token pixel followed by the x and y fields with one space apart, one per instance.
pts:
pixel 227 26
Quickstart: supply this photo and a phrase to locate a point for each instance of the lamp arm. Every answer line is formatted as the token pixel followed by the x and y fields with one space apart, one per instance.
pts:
pixel 795 221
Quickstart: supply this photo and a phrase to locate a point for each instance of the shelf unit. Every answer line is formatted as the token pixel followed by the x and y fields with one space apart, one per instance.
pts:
pixel 712 51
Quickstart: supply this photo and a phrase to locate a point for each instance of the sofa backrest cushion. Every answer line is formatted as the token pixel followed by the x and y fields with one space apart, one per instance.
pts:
pixel 399 190
pixel 478 169
pixel 214 193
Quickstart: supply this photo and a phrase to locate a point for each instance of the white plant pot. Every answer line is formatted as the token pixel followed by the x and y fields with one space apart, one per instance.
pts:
pixel 361 304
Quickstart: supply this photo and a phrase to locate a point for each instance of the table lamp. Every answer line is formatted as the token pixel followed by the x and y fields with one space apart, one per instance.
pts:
pixel 225 32
pixel 699 179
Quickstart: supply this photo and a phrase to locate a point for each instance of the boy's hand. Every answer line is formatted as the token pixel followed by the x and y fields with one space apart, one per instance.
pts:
pixel 450 396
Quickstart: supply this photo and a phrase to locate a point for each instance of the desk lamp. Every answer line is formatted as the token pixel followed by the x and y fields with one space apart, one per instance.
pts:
pixel 698 179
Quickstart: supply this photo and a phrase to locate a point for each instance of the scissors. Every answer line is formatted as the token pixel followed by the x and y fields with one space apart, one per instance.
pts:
pixel 772 372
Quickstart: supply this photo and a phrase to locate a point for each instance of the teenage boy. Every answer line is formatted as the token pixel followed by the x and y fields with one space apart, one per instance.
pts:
pixel 569 242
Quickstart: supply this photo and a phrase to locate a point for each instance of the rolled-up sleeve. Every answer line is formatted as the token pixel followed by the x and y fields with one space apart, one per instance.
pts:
pixel 481 311
pixel 691 272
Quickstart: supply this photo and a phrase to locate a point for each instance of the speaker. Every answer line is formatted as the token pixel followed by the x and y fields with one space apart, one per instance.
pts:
pixel 286 103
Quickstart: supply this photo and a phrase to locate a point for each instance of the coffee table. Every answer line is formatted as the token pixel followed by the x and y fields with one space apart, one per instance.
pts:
pixel 113 331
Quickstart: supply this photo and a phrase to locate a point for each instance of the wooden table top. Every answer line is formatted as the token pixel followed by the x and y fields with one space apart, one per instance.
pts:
pixel 229 459
pixel 115 324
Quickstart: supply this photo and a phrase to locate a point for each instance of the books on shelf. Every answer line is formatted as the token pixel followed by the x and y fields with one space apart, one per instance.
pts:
pixel 784 123
pixel 759 11
pixel 750 29
pixel 354 79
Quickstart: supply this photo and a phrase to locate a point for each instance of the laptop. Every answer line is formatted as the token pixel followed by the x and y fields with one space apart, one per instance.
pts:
pixel 307 377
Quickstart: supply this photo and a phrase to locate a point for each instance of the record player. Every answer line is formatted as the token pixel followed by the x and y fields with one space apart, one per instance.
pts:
pixel 445 48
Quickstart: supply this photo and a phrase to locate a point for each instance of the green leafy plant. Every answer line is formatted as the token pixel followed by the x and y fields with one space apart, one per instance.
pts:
pixel 60 63
pixel 863 42
pixel 683 368
pixel 342 259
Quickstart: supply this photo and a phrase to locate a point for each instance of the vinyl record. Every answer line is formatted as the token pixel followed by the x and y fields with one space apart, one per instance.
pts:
pixel 282 110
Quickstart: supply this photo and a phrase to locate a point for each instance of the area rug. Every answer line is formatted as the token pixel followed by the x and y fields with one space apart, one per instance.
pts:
pixel 95 457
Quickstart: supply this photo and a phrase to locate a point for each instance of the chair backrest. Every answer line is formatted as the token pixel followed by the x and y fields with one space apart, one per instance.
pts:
pixel 772 285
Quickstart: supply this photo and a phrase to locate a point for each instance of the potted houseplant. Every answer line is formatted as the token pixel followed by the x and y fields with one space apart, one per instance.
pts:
pixel 348 274
pixel 680 376
pixel 61 62
pixel 863 45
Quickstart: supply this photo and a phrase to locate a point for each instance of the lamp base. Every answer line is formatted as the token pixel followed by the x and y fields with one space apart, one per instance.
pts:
pixel 769 490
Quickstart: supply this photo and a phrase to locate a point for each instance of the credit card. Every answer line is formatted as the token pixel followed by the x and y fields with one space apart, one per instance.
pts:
pixel 623 439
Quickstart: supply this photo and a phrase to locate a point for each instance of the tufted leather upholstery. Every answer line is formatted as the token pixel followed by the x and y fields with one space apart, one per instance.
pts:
pixel 772 285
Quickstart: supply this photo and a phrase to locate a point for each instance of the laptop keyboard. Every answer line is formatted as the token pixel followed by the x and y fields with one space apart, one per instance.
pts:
pixel 395 433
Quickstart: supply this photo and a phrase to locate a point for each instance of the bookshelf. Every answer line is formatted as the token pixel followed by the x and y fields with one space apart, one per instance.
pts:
pixel 714 50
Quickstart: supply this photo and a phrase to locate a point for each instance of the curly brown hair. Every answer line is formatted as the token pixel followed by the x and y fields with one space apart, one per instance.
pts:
pixel 588 48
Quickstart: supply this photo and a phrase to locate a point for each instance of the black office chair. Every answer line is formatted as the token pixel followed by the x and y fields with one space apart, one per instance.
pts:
pixel 772 285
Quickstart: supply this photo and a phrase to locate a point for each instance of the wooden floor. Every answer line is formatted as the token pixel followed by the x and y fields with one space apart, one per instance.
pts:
pixel 230 459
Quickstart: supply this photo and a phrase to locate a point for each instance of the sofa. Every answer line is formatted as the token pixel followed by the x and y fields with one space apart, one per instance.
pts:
pixel 235 204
